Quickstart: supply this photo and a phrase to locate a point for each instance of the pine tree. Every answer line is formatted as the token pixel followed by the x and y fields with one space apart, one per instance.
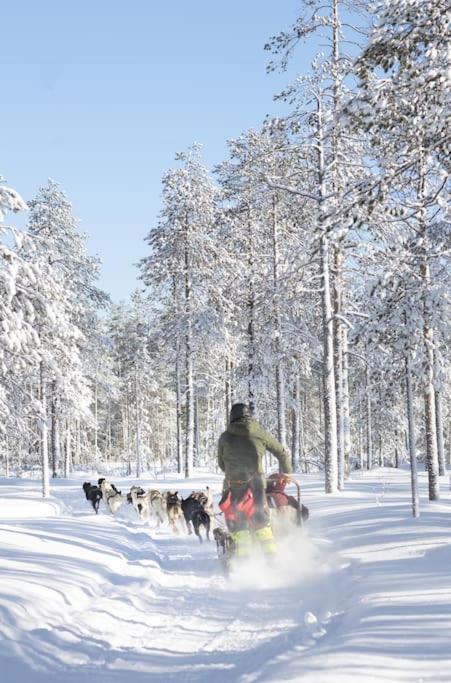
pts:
pixel 182 263
pixel 404 112
pixel 67 280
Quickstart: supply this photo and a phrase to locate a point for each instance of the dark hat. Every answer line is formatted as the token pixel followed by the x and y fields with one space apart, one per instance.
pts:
pixel 239 410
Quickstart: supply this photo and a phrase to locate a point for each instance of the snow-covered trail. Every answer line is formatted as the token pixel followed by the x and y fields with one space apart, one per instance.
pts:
pixel 364 595
pixel 84 593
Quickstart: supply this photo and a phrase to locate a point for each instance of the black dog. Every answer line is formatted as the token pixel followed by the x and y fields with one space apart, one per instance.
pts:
pixel 93 494
pixel 195 514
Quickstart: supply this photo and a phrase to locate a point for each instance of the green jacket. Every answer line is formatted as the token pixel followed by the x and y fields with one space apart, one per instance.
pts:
pixel 241 449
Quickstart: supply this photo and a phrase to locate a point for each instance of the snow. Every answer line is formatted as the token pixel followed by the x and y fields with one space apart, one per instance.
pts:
pixel 361 594
pixel 10 200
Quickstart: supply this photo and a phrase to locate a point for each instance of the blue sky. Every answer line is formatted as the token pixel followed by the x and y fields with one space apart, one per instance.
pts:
pixel 99 95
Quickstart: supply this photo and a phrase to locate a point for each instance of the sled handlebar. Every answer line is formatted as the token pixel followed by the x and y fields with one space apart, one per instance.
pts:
pixel 291 480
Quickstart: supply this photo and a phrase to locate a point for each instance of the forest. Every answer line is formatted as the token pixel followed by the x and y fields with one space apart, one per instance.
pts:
pixel 307 274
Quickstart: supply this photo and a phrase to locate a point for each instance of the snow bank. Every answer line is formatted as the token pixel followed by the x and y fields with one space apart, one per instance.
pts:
pixel 24 508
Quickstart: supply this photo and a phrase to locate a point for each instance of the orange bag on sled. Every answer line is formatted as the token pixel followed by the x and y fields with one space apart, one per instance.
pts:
pixel 245 506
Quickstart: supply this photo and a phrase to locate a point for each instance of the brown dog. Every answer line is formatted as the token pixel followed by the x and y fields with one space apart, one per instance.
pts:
pixel 174 510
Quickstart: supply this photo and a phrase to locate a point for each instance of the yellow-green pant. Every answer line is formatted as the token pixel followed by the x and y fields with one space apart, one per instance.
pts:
pixel 243 541
pixel 266 539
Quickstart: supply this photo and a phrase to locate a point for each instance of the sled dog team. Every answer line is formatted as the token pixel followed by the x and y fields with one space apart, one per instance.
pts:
pixel 196 510
pixel 253 507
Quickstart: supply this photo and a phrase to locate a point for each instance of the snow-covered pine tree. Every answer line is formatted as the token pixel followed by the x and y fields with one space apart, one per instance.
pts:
pixel 262 229
pixel 183 260
pixel 393 336
pixel 68 281
pixel 403 105
pixel 17 334
pixel 313 137
pixel 338 24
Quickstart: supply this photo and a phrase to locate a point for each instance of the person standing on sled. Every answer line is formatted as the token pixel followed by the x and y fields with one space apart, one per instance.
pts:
pixel 241 449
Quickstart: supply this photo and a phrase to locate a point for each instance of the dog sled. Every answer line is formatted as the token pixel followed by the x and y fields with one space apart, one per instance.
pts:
pixel 286 513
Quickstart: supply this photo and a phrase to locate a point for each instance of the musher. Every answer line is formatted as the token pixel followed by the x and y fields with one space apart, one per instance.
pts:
pixel 241 449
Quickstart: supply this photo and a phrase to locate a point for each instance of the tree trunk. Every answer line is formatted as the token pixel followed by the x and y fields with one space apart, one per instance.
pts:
pixel 188 368
pixel 302 445
pixel 251 319
pixel 330 408
pixel 78 443
pixel 430 419
pixel 449 444
pixel 44 436
pixel 68 452
pixel 281 409
pixel 360 428
pixel 296 422
pixel 412 439
pixel 189 412
pixel 228 390
pixel 232 382
pixel 109 432
pixel 369 419
pixel 428 338
pixel 54 432
pixel 196 431
pixel 96 417
pixel 138 425
pixel 178 410
pixel 124 428
pixel 330 415
pixel 396 449
pixel 7 458
pixel 178 383
pixel 338 366
pixel 278 352
pixel 320 403
pixel 339 328
pixel 439 432
pixel 251 354
pixel 346 407
pixel 207 425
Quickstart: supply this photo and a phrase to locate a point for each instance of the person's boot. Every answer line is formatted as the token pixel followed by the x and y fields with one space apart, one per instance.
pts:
pixel 266 539
pixel 242 540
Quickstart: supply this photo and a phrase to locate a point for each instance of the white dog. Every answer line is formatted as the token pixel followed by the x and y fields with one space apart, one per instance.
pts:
pixel 114 502
pixel 158 505
pixel 110 494
pixel 140 500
